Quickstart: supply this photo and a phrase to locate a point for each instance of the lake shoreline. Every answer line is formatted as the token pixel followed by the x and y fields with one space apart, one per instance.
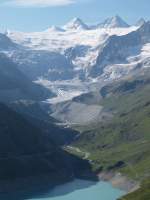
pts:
pixel 119 181
pixel 33 185
pixel 70 190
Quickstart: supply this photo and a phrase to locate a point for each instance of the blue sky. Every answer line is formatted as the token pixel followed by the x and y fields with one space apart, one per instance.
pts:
pixel 36 15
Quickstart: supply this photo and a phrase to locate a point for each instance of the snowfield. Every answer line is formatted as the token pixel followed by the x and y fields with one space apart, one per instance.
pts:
pixel 64 59
pixel 55 40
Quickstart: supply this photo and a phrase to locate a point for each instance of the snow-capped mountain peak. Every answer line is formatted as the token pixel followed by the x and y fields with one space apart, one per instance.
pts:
pixel 71 59
pixel 76 24
pixel 113 22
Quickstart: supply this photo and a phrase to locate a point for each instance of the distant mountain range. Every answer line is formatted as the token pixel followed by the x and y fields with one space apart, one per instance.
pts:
pixel 112 22
pixel 77 51
pixel 61 63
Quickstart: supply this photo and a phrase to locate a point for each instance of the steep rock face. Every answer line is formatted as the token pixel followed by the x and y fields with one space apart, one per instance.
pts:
pixel 25 151
pixel 14 85
pixel 37 63
pixel 21 94
pixel 6 43
pixel 48 65
pixel 117 49
pixel 38 114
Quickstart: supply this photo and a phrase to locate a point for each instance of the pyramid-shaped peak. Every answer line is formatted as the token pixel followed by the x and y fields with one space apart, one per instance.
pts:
pixel 114 22
pixel 117 18
pixel 76 24
pixel 76 19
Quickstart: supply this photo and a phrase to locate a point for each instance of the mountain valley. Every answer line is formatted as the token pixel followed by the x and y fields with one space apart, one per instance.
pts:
pixel 75 102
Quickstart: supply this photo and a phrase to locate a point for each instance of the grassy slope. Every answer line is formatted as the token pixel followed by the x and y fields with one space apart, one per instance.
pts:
pixel 126 138
pixel 141 194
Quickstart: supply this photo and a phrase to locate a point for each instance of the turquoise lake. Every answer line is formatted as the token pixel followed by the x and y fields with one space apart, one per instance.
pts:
pixel 75 190
pixel 83 190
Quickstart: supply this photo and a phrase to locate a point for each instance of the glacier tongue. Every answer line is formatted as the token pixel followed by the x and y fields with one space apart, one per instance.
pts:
pixel 65 90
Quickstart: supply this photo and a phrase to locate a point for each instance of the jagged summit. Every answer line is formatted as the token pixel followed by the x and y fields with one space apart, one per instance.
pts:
pixel 113 22
pixel 76 24
pixel 145 30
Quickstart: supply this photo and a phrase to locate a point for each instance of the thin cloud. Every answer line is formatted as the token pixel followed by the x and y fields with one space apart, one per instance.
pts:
pixel 38 3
